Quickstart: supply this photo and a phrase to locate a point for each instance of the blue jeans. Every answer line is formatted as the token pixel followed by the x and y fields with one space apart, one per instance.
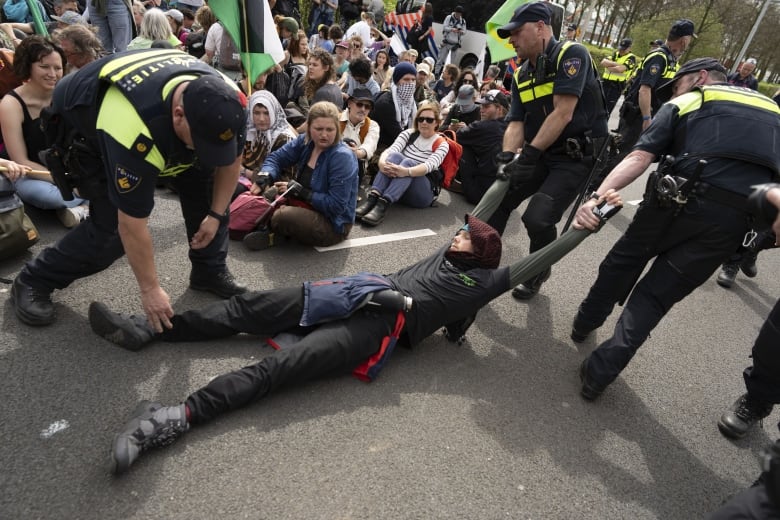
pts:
pixel 319 16
pixel 115 27
pixel 43 194
pixel 411 191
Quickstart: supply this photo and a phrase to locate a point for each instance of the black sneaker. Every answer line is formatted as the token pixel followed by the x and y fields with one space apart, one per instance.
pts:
pixel 748 264
pixel 152 425
pixel 579 331
pixel 259 240
pixel 221 284
pixel 529 288
pixel 590 389
pixel 130 332
pixel 727 275
pixel 742 415
pixel 33 306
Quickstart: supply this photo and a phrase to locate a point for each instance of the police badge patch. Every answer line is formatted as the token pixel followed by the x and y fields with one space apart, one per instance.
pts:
pixel 654 70
pixel 126 181
pixel 571 66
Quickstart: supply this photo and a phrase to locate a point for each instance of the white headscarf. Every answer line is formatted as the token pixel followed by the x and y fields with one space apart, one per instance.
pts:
pixel 405 107
pixel 279 124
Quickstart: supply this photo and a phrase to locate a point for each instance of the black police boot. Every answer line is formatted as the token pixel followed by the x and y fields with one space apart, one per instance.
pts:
pixel 529 288
pixel 377 214
pixel 748 264
pixel 221 284
pixel 367 205
pixel 590 390
pixel 742 415
pixel 727 275
pixel 33 306
pixel 580 330
pixel 131 332
pixel 152 425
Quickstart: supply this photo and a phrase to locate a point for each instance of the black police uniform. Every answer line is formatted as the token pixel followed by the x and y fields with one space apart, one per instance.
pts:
pixel 658 67
pixel 558 176
pixel 615 82
pixel 689 245
pixel 126 141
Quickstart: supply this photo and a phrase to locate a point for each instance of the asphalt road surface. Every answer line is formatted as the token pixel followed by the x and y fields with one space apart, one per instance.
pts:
pixel 491 429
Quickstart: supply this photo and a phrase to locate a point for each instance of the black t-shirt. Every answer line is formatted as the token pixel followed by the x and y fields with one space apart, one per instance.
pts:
pixel 443 294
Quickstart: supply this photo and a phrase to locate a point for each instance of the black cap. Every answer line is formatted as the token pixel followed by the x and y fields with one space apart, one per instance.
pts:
pixel 682 28
pixel 625 43
pixel 459 9
pixel 571 27
pixel 664 92
pixel 216 117
pixel 361 94
pixel 494 96
pixel 657 42
pixel 532 12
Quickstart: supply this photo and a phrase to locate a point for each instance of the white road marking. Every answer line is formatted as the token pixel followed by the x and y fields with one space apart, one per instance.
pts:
pixel 55 427
pixel 634 202
pixel 369 241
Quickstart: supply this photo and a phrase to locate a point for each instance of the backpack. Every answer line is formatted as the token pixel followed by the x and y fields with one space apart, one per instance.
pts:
pixel 17 232
pixel 229 57
pixel 443 175
pixel 195 44
pixel 246 213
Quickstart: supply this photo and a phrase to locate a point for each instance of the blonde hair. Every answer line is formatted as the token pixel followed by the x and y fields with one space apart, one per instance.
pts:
pixel 428 105
pixel 327 110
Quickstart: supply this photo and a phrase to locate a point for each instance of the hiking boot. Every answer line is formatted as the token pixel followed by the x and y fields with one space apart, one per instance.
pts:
pixel 727 275
pixel 580 331
pixel 529 288
pixel 152 425
pixel 367 205
pixel 33 306
pixel 748 264
pixel 130 332
pixel 259 240
pixel 71 217
pixel 221 284
pixel 590 390
pixel 377 213
pixel 742 415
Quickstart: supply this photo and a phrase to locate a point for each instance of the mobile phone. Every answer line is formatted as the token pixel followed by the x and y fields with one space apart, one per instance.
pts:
pixel 454 121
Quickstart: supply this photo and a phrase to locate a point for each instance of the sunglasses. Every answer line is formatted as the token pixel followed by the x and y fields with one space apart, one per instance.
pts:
pixel 471 81
pixel 429 120
pixel 363 104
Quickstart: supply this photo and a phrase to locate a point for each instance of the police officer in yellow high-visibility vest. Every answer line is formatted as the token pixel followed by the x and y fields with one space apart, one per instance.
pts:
pixel 557 109
pixel 685 228
pixel 121 123
pixel 641 101
pixel 616 70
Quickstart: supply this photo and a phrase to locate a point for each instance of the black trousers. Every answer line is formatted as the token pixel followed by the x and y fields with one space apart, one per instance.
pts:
pixel 335 347
pixel 95 244
pixel 612 92
pixel 686 254
pixel 555 185
pixel 762 380
pixel 629 128
pixel 751 504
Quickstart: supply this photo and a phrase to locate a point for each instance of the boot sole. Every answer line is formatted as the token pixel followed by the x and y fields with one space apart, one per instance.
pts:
pixel 224 294
pixel 103 323
pixel 119 461
pixel 33 320
pixel 729 431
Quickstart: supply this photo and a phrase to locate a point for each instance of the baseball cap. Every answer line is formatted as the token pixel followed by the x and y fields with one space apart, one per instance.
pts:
pixel 361 94
pixel 625 43
pixel 321 26
pixel 343 45
pixel 532 12
pixel 424 68
pixel 465 98
pixel 658 42
pixel 291 24
pixel 571 27
pixel 494 96
pixel 70 18
pixel 216 117
pixel 680 28
pixel 664 92
pixel 175 14
pixel 751 61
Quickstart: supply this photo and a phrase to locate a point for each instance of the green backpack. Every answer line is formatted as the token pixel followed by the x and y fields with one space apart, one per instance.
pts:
pixel 17 232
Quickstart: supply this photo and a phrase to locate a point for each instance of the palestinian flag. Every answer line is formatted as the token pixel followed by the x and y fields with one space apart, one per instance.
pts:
pixel 251 25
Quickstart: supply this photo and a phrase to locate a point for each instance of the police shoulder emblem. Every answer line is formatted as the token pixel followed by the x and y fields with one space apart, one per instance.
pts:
pixel 126 180
pixel 654 70
pixel 571 66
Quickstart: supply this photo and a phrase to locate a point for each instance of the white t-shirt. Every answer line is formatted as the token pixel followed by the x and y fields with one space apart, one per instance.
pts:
pixel 363 30
pixel 214 40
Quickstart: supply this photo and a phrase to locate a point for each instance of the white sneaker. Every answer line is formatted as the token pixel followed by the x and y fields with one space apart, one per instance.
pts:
pixel 70 217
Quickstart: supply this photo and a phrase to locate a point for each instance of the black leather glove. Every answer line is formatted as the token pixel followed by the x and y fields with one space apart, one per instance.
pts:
pixel 296 190
pixel 262 179
pixel 521 169
pixel 759 206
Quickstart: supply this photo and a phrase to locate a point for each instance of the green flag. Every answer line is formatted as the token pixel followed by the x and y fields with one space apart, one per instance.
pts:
pixel 250 24
pixel 40 27
pixel 499 47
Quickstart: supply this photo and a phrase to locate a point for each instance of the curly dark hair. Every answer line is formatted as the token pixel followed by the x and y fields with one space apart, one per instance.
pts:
pixel 33 49
pixel 310 87
pixel 360 68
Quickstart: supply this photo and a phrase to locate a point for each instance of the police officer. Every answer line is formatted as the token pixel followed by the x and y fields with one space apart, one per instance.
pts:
pixel 641 101
pixel 616 70
pixel 120 123
pixel 557 107
pixel 690 226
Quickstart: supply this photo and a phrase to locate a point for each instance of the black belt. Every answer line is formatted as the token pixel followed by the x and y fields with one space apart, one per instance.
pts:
pixel 728 198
